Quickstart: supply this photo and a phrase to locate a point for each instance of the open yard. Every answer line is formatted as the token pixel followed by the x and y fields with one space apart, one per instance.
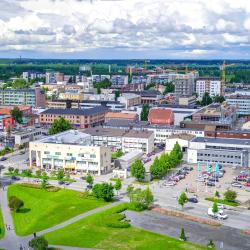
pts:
pixel 2 227
pixel 108 230
pixel 43 209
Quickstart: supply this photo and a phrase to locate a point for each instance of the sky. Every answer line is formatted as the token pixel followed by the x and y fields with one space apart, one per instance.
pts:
pixel 125 29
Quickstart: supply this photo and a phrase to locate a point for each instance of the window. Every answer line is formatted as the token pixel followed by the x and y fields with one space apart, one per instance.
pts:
pixel 46 152
pixel 58 153
pixel 92 156
pixel 69 154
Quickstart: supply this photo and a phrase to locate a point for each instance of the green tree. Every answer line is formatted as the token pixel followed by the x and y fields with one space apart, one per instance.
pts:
pixel 59 125
pixel 117 94
pixel 138 170
pixel 17 114
pixel 118 185
pixel 130 190
pixel 170 88
pixel 230 195
pixel 8 130
pixel 38 173
pixel 103 191
pixel 210 244
pixel 182 199
pixel 215 208
pixel 39 243
pixel 206 99
pixel 141 199
pixel 27 172
pixel 144 112
pixel 15 203
pixel 60 174
pixel 217 194
pixel 90 179
pixel 183 236
pixel 52 173
pixel 219 98
pixel 10 169
pixel 177 149
pixel 157 168
pixel 44 183
pixel 16 171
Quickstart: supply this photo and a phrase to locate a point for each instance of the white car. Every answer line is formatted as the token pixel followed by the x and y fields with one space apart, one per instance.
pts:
pixel 236 184
pixel 221 206
pixel 169 184
pixel 219 215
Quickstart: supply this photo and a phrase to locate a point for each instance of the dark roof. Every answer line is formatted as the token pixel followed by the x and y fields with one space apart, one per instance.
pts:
pixel 18 90
pixel 74 111
pixel 86 101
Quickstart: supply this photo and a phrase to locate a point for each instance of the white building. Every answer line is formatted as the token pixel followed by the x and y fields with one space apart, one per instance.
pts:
pixel 86 83
pixel 119 80
pixel 100 78
pixel 129 100
pixel 71 150
pixel 211 85
pixel 241 102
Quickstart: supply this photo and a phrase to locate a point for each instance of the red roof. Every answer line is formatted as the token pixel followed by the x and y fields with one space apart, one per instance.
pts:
pixel 161 116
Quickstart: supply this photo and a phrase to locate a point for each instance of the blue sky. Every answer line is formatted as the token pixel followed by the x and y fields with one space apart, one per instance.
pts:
pixel 122 29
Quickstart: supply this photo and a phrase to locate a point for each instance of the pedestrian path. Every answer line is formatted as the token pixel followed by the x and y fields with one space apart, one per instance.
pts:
pixel 11 241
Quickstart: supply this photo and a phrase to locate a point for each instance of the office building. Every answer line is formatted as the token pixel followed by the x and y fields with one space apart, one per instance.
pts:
pixel 184 85
pixel 240 102
pixel 210 85
pixel 29 97
pixel 71 150
pixel 100 78
pixel 119 80
pixel 129 99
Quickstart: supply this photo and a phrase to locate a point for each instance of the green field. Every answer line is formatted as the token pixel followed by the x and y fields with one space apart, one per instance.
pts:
pixel 2 226
pixel 107 230
pixel 43 209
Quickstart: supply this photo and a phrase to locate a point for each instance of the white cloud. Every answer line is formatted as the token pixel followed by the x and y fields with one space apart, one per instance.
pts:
pixel 187 26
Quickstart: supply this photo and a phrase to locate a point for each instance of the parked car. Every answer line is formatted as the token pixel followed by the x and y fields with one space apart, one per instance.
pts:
pixel 180 176
pixel 169 184
pixel 22 152
pixel 243 176
pixel 186 168
pixel 89 186
pixel 3 158
pixel 221 206
pixel 83 178
pixel 210 184
pixel 15 178
pixel 193 200
pixel 60 182
pixel 240 179
pixel 236 184
pixel 67 183
pixel 247 184
pixel 213 179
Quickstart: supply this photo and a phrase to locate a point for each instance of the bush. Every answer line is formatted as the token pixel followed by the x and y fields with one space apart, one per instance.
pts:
pixel 15 203
pixel 183 236
pixel 103 191
pixel 230 195
pixel 115 221
pixel 210 244
pixel 10 169
pixel 39 243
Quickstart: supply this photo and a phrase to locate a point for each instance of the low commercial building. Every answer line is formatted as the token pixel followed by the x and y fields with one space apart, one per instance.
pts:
pixel 187 100
pixel 121 116
pixel 25 135
pixel 182 139
pixel 29 97
pixel 161 116
pixel 125 161
pixel 72 95
pixel 231 152
pixel 71 150
pixel 79 118
pixel 129 100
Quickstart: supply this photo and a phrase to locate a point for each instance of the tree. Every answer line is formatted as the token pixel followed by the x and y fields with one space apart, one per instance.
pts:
pixel 144 112
pixel 39 243
pixel 182 199
pixel 103 191
pixel 117 94
pixel 52 173
pixel 89 179
pixel 27 172
pixel 141 199
pixel 177 149
pixel 170 88
pixel 118 185
pixel 230 195
pixel 130 190
pixel 217 194
pixel 138 170
pixel 206 99
pixel 59 125
pixel 15 203
pixel 44 183
pixel 157 168
pixel 219 98
pixel 183 236
pixel 16 171
pixel 60 174
pixel 215 208
pixel 17 114
pixel 10 169
pixel 210 244
pixel 38 173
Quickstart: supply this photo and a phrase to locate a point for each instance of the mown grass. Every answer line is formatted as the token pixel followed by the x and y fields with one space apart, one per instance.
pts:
pixel 225 202
pixel 43 209
pixel 109 230
pixel 2 226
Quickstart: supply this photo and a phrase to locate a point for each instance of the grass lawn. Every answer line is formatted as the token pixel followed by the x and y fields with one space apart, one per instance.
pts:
pixel 225 202
pixel 43 209
pixel 2 226
pixel 108 230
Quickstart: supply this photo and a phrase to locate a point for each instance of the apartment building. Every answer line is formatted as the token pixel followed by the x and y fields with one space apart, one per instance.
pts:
pixel 71 150
pixel 240 102
pixel 122 139
pixel 184 85
pixel 100 78
pixel 79 118
pixel 211 85
pixel 119 80
pixel 129 100
pixel 29 97
pixel 140 80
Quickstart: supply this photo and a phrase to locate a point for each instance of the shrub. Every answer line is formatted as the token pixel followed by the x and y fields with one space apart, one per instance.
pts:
pixel 39 243
pixel 210 244
pixel 115 221
pixel 103 191
pixel 15 203
pixel 38 173
pixel 183 236
pixel 230 195
pixel 10 169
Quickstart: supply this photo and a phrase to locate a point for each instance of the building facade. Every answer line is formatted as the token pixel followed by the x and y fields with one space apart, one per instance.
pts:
pixel 241 102
pixel 210 85
pixel 129 100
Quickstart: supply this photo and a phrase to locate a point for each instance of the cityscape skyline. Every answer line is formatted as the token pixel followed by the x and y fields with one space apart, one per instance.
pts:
pixel 156 29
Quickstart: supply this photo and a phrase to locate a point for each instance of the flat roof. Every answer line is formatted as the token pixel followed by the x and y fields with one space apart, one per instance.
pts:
pixel 100 131
pixel 139 133
pixel 222 140
pixel 68 137
pixel 131 155
pixel 75 111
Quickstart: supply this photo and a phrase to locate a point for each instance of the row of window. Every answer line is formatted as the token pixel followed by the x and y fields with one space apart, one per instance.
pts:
pixel 70 154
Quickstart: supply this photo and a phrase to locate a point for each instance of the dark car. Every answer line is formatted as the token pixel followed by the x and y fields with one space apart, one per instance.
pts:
pixel 14 178
pixel 22 152
pixel 188 168
pixel 60 182
pixel 83 178
pixel 3 158
pixel 213 179
pixel 67 183
pixel 211 184
pixel 89 186
pixel 193 200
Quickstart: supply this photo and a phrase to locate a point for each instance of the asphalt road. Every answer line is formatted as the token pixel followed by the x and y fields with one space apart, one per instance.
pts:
pixel 224 237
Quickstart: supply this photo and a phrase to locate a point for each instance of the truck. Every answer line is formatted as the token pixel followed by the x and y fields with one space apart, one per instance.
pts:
pixel 219 215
